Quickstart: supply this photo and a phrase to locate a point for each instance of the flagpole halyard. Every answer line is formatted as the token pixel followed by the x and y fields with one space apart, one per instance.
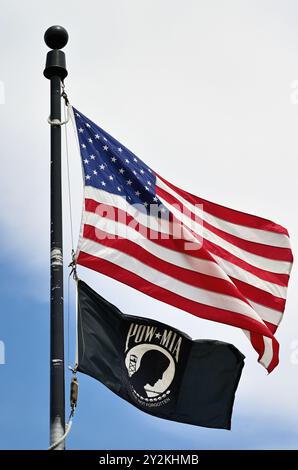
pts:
pixel 56 37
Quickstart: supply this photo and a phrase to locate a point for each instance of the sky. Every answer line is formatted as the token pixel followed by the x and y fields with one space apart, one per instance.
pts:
pixel 205 92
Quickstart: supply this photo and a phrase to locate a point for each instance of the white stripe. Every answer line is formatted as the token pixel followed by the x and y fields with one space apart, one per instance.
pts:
pixel 183 260
pixel 268 352
pixel 245 276
pixel 268 349
pixel 231 269
pixel 164 281
pixel 274 266
pixel 246 233
pixel 163 226
pixel 176 258
pixel 113 200
pixel 267 314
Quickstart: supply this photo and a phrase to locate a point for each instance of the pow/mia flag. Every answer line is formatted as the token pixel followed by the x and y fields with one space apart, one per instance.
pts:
pixel 155 367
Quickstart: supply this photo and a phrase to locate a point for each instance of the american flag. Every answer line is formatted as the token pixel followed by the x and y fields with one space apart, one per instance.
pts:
pixel 225 265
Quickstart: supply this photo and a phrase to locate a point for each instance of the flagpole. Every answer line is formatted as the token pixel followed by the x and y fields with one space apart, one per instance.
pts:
pixel 56 38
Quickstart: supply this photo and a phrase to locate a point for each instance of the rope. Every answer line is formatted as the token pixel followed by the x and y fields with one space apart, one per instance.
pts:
pixel 73 273
pixel 72 264
pixel 57 122
pixel 74 389
pixel 68 318
pixel 62 438
pixel 68 175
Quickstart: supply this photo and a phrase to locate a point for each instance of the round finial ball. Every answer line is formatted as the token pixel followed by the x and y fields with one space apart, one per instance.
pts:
pixel 56 37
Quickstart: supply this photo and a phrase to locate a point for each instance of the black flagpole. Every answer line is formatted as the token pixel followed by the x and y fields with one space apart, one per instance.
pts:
pixel 56 38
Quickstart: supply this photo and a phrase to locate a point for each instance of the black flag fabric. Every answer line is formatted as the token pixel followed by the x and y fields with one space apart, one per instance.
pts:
pixel 155 367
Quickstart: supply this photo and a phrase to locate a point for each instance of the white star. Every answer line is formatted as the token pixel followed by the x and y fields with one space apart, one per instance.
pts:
pixel 158 335
pixel 146 187
pixel 96 136
pixel 121 171
pixel 127 161
pixel 105 139
pixel 119 189
pixel 137 193
pixel 86 161
pixel 148 182
pixel 149 170
pixel 83 146
pixel 103 183
pixel 113 159
pixel 105 147
pixel 87 125
pixel 135 159
pixel 87 177
pixel 81 129
pixel 120 149
pixel 155 199
pixel 134 172
pixel 111 178
pixel 129 182
pixel 94 172
pixel 92 157
pixel 78 115
pixel 90 140
pixel 102 167
pixel 142 171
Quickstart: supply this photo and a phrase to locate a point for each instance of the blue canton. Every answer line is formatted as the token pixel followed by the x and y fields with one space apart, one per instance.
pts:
pixel 110 166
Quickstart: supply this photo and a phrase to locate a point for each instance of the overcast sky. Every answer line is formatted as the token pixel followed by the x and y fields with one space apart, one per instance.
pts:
pixel 202 91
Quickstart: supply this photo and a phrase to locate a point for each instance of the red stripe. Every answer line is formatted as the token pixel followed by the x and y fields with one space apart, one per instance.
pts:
pixel 179 244
pixel 271 327
pixel 260 296
pixel 275 359
pixel 275 278
pixel 248 291
pixel 200 310
pixel 267 251
pixel 230 215
pixel 258 343
pixel 203 281
pixel 172 243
